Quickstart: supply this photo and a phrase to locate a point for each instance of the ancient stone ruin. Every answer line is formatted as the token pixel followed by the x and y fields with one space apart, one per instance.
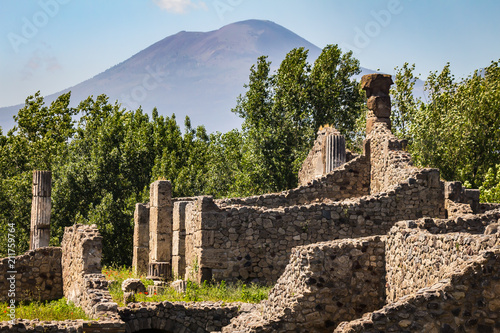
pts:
pixel 366 243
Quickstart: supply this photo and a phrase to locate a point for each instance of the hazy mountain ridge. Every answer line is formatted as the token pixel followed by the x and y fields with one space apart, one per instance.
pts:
pixel 199 74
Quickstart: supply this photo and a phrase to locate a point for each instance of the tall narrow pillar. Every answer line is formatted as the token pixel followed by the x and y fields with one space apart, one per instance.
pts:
pixel 160 225
pixel 40 209
pixel 179 239
pixel 335 154
pixel 140 259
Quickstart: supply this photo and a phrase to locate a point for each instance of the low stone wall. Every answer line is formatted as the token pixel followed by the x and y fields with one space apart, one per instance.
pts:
pixel 68 326
pixel 83 282
pixel 467 300
pixel 254 244
pixel 351 180
pixel 417 259
pixel 454 194
pixel 37 273
pixel 471 223
pixel 324 284
pixel 178 317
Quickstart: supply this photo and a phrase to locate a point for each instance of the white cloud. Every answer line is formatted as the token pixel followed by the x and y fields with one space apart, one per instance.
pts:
pixel 180 6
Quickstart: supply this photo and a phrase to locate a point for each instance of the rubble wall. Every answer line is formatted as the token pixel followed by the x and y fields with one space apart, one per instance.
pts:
pixel 417 259
pixel 323 284
pixel 249 243
pixel 178 316
pixel 466 300
pixel 390 163
pixel 37 275
pixel 83 282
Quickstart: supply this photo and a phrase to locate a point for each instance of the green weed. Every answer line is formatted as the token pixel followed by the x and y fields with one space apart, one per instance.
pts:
pixel 57 310
pixel 214 291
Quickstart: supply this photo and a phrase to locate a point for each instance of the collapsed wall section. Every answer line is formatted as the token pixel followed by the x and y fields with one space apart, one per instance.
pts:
pixel 33 276
pixel 350 180
pixel 253 244
pixel 83 283
pixel 324 284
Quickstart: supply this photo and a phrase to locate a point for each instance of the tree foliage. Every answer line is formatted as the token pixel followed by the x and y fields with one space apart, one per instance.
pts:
pixel 458 129
pixel 282 112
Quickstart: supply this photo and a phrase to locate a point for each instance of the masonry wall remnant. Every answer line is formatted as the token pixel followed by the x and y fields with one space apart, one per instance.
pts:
pixel 37 275
pixel 83 282
pixel 324 284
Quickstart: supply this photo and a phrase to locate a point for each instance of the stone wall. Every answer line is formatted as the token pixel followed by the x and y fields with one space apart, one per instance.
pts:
pixel 417 259
pixel 460 200
pixel 471 223
pixel 324 284
pixel 83 282
pixel 252 243
pixel 179 316
pixel 390 163
pixel 351 180
pixel 38 275
pixel 466 300
pixel 68 326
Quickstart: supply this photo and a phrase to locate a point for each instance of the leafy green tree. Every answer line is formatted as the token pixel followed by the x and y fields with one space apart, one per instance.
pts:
pixel 490 188
pixel 404 104
pixel 283 111
pixel 38 141
pixel 334 93
pixel 458 129
pixel 107 172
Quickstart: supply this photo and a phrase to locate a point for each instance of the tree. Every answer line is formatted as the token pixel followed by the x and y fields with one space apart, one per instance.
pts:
pixel 458 130
pixel 283 111
pixel 335 95
pixel 38 141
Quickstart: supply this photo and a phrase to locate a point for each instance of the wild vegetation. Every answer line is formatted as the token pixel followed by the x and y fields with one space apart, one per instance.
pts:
pixel 103 157
pixel 216 291
pixel 57 310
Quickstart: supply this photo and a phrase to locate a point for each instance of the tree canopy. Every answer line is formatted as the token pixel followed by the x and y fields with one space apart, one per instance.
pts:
pixel 457 129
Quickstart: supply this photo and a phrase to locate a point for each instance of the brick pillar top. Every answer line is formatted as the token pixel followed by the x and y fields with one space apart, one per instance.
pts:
pixel 376 84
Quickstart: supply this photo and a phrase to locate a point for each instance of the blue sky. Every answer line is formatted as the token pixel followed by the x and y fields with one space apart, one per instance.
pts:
pixel 50 45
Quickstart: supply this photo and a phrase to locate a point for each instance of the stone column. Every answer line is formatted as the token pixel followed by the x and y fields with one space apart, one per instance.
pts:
pixel 179 239
pixel 160 225
pixel 40 209
pixel 335 154
pixel 379 102
pixel 140 259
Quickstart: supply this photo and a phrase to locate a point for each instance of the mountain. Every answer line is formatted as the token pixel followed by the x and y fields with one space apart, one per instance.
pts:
pixel 199 74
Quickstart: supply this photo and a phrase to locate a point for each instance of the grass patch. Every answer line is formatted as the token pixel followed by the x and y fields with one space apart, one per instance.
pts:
pixel 220 291
pixel 57 310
